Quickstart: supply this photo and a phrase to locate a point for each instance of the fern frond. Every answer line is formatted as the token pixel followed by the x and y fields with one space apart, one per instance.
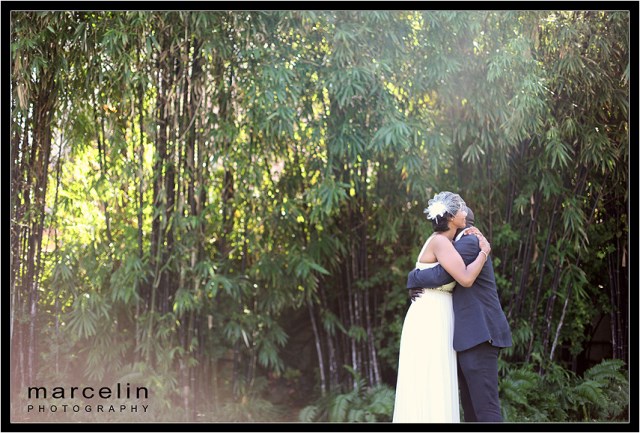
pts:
pixel 308 414
pixel 590 390
pixel 607 370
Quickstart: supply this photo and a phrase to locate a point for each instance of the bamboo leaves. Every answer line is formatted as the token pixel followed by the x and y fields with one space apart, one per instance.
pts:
pixel 221 173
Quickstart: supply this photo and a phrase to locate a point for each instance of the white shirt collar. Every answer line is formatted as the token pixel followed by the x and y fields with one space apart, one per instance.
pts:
pixel 461 234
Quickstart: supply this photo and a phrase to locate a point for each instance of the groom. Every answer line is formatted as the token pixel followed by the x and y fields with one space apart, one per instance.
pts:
pixel 480 329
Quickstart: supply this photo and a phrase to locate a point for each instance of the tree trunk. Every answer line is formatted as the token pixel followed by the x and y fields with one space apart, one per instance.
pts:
pixel 560 323
pixel 550 304
pixel 316 334
pixel 331 347
pixel 43 110
pixel 541 271
pixel 528 251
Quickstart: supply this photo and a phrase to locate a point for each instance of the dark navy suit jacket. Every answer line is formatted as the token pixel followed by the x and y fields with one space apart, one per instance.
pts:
pixel 477 310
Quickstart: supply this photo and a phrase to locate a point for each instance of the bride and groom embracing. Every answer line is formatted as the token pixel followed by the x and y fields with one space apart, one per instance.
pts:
pixel 455 326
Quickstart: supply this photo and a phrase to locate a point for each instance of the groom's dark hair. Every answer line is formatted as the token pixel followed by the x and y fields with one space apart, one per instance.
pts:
pixel 470 218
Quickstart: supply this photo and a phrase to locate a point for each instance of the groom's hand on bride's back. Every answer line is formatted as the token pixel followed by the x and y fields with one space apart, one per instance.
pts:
pixel 415 293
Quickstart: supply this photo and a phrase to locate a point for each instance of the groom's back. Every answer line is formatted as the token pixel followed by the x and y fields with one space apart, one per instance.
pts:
pixel 478 313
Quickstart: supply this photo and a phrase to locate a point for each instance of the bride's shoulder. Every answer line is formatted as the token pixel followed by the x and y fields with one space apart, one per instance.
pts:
pixel 439 239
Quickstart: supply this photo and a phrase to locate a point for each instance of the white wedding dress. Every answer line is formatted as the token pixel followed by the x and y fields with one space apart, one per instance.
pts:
pixel 427 387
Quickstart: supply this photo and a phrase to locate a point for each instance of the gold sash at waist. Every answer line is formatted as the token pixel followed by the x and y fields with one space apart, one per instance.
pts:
pixel 445 288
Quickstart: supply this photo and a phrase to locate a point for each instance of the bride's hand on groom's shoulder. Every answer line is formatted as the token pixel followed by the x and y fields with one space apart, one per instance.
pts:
pixel 472 231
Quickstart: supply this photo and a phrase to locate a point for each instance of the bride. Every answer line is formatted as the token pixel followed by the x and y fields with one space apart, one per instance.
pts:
pixel 427 386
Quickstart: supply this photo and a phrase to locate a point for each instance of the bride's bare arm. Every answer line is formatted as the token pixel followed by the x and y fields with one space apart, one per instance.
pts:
pixel 452 262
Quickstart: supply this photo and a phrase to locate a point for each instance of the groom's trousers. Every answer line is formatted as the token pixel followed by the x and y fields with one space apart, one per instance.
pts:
pixel 478 383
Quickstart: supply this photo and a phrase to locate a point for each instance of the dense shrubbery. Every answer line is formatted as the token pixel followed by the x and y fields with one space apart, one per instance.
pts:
pixel 203 199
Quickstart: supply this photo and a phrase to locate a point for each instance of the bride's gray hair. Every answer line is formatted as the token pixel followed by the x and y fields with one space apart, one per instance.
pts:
pixel 442 203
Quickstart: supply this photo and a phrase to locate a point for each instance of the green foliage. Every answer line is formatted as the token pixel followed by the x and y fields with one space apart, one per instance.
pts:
pixel 609 396
pixel 210 170
pixel 392 312
pixel 362 404
pixel 558 395
pixel 252 407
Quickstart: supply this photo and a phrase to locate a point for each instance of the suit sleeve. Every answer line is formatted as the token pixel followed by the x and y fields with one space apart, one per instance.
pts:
pixel 432 277
pixel 468 249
